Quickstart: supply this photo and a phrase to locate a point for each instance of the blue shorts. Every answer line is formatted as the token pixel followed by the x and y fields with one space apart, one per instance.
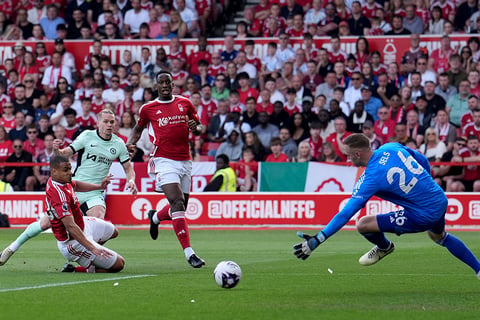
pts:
pixel 403 221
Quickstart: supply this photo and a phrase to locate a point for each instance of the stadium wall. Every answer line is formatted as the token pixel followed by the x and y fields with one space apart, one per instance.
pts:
pixel 241 209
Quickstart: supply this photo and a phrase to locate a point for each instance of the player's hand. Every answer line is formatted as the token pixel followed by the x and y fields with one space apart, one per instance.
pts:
pixel 102 253
pixel 304 249
pixel 132 187
pixel 106 181
pixel 56 145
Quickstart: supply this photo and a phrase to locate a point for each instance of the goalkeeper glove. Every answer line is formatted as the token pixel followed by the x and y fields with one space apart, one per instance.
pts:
pixel 304 249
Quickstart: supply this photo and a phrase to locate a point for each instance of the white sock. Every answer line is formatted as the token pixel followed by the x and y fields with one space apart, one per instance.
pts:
pixel 188 252
pixel 155 218
pixel 14 246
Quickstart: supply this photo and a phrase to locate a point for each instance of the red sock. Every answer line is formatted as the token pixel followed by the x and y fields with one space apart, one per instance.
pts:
pixel 181 231
pixel 163 214
pixel 80 269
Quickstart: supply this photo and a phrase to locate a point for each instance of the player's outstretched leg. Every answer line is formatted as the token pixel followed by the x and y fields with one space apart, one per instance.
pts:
pixel 375 254
pixel 460 251
pixel 181 231
pixel 157 217
pixel 33 229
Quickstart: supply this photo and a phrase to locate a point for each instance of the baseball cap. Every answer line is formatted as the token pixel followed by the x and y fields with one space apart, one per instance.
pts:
pixel 58 41
pixel 368 124
pixel 18 45
pixel 367 88
pixel 307 99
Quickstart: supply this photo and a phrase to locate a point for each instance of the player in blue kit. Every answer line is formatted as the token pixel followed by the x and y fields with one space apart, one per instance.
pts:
pixel 402 176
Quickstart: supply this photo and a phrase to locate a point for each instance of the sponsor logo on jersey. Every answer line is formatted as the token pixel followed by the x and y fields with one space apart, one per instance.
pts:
pixel 65 206
pixel 113 150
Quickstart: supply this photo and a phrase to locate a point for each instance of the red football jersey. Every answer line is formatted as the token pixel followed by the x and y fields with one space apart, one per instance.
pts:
pixel 214 70
pixel 61 201
pixel 167 126
pixel 471 129
pixel 470 172
pixel 195 57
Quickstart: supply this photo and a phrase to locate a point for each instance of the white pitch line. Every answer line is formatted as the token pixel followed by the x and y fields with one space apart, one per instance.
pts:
pixel 62 284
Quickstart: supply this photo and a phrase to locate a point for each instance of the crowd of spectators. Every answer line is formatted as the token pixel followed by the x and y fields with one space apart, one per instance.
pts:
pixel 291 105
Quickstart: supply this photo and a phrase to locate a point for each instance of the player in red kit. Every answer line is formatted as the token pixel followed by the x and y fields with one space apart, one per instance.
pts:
pixel 79 238
pixel 169 119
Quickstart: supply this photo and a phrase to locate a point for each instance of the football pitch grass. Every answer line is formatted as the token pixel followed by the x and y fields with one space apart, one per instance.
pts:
pixel 420 280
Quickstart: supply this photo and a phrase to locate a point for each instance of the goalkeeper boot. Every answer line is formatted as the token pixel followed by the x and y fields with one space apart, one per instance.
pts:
pixel 5 255
pixel 153 225
pixel 195 261
pixel 374 255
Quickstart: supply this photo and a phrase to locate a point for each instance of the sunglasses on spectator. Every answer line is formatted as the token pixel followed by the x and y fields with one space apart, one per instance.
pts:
pixel 28 81
pixel 460 144
pixel 115 80
pixel 31 132
pixel 220 79
pixel 8 107
pixel 355 79
pixel 17 147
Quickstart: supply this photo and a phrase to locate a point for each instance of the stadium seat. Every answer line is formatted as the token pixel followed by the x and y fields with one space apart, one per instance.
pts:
pixel 207 146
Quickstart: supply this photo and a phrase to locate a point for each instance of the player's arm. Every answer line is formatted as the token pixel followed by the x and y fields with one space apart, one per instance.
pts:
pixel 361 195
pixel 128 168
pixel 81 186
pixel 76 233
pixel 66 152
pixel 134 136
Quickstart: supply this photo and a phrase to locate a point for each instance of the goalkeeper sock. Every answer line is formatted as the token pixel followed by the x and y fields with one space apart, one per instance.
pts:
pixel 31 231
pixel 460 250
pixel 181 229
pixel 378 238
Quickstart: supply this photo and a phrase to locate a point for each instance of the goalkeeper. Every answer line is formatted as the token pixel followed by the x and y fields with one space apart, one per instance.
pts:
pixel 402 176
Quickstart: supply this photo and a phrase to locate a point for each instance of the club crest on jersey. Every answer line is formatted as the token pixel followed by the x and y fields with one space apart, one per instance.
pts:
pixel 180 107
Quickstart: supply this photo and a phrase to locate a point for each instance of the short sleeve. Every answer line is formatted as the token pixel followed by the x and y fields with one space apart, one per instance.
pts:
pixel 80 142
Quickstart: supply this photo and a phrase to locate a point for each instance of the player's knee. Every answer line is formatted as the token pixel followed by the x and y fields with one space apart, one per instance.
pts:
pixel 115 234
pixel 44 223
pixel 177 205
pixel 118 265
pixel 437 238
pixel 365 224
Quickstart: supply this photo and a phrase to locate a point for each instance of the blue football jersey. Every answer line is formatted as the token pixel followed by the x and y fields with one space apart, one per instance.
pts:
pixel 397 174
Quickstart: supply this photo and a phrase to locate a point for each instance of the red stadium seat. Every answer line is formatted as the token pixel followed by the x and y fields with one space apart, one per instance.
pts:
pixel 207 146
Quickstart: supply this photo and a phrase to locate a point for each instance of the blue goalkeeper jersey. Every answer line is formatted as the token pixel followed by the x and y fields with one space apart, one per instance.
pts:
pixel 400 175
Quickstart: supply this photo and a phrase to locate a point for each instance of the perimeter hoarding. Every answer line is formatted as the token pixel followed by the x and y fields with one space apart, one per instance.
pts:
pixel 233 209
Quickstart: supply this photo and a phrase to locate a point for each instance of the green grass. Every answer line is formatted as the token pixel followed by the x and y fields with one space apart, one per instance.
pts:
pixel 419 281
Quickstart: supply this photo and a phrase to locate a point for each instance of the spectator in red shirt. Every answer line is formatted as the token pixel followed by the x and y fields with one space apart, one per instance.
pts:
pixel 33 144
pixel 339 136
pixel 470 178
pixel 277 155
pixel 245 91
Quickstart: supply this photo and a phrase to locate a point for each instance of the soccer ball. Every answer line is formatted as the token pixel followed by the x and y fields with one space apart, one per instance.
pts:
pixel 227 274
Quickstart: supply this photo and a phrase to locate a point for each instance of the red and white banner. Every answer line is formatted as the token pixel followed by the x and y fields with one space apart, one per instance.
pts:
pixel 391 48
pixel 223 209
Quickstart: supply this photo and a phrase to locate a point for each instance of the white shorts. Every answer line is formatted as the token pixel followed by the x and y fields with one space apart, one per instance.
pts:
pixel 166 171
pixel 96 230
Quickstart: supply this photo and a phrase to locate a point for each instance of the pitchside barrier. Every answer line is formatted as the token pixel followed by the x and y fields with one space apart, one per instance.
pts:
pixel 250 209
